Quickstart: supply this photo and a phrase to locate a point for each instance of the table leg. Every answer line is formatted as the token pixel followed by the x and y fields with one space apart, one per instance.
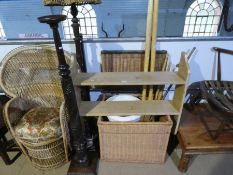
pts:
pixel 172 144
pixel 5 158
pixel 8 146
pixel 184 161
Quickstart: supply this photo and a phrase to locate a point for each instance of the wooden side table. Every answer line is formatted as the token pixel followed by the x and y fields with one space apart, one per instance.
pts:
pixel 194 139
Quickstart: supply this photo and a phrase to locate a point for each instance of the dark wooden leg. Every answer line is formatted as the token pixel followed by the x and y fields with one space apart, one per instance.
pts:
pixel 4 155
pixel 184 162
pixel 5 144
pixel 8 146
pixel 7 159
pixel 4 138
pixel 172 144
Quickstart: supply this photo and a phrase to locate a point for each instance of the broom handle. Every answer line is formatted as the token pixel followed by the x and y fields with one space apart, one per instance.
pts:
pixel 153 44
pixel 161 90
pixel 148 43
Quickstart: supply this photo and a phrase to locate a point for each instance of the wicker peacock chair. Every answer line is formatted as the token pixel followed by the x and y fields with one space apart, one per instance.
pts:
pixel 36 115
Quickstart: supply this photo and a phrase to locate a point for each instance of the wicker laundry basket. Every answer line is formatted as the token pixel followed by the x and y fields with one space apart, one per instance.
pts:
pixel 140 142
pixel 30 76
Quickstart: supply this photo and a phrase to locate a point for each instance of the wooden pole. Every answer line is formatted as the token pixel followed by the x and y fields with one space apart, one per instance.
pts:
pixel 153 43
pixel 160 95
pixel 148 43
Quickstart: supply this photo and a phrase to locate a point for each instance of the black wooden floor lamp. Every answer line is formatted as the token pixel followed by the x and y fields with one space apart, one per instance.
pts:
pixel 78 39
pixel 82 161
pixel 80 158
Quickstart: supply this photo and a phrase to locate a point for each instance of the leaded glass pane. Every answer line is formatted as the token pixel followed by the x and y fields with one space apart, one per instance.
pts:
pixel 202 18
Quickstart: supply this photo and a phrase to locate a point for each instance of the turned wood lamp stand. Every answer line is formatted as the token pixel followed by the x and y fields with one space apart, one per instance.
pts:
pixel 80 158
pixel 90 134
pixel 80 163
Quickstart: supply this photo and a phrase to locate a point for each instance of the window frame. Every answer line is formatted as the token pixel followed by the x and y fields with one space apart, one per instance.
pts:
pixel 87 21
pixel 2 32
pixel 210 11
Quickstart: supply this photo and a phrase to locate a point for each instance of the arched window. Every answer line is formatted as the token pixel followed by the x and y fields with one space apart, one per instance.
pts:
pixel 202 18
pixel 2 33
pixel 87 18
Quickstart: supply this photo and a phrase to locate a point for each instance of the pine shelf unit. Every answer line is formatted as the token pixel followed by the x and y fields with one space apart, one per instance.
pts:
pixel 128 78
pixel 155 107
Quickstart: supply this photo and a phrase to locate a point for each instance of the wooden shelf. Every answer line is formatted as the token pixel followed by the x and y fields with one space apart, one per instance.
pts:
pixel 127 78
pixel 104 108
pixel 161 107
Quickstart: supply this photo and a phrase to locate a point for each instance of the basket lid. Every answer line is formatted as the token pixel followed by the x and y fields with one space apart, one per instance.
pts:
pixel 30 66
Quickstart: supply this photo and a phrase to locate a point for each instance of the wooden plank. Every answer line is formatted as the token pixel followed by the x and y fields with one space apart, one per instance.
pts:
pixel 160 89
pixel 125 108
pixel 153 44
pixel 184 69
pixel 127 78
pixel 180 90
pixel 148 35
pixel 148 42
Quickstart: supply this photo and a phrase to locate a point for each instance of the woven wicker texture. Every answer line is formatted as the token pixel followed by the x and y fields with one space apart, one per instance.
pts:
pixel 132 61
pixel 30 75
pixel 143 142
pixel 69 2
pixel 128 61
pixel 49 154
pixel 30 66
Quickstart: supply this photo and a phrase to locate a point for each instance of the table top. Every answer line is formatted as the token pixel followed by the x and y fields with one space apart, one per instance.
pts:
pixel 194 136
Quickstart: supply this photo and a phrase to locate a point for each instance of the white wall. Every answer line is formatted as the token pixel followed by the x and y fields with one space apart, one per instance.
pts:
pixel 202 64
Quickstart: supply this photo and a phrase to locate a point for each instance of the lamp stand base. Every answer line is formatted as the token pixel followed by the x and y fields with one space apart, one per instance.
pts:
pixel 91 169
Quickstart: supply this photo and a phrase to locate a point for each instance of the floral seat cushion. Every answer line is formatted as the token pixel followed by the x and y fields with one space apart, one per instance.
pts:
pixel 39 124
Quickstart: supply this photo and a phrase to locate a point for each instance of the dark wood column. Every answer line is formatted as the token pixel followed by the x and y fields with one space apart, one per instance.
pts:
pixel 78 141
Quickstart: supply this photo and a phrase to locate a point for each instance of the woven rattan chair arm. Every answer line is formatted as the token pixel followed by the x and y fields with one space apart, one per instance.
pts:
pixel 15 109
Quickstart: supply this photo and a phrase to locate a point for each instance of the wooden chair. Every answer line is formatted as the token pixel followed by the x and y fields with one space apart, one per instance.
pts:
pixel 36 114
pixel 218 94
